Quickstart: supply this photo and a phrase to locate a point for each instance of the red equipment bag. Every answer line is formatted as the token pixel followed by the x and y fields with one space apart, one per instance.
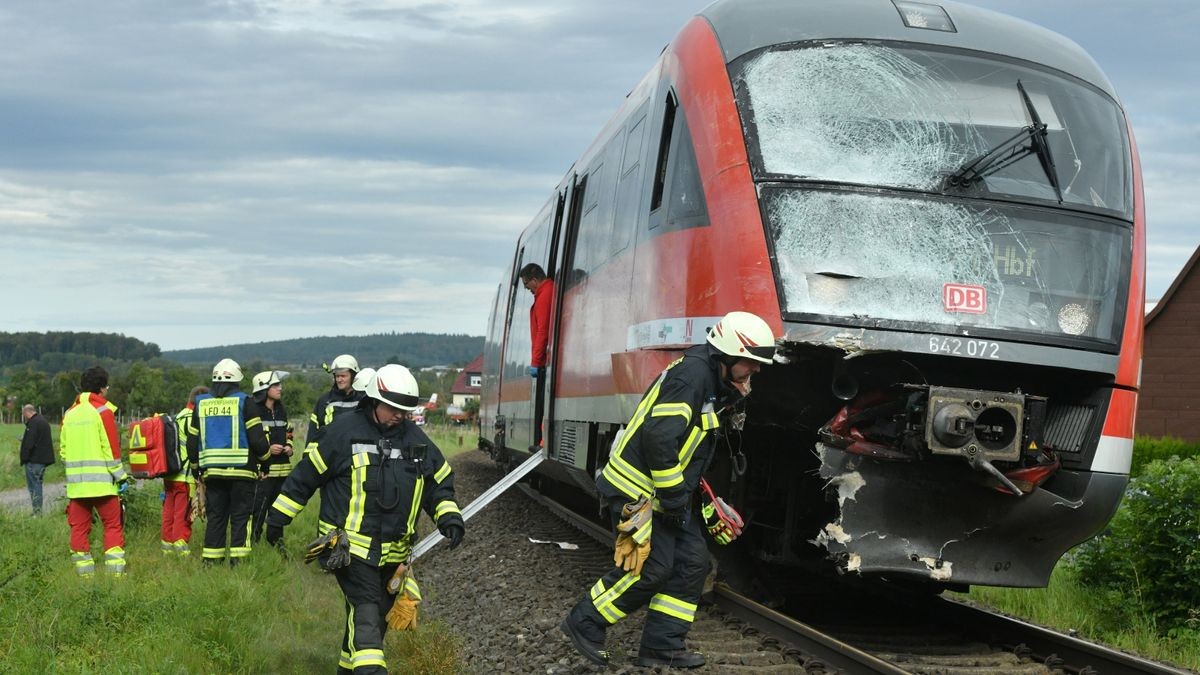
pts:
pixel 154 447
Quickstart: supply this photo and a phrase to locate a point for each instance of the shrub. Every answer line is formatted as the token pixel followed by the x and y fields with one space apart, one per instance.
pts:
pixel 1151 551
pixel 1147 449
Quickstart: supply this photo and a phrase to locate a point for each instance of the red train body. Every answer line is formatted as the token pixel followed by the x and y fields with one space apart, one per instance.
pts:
pixel 939 211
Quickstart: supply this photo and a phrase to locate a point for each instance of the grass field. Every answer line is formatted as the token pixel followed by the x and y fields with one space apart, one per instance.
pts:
pixel 169 615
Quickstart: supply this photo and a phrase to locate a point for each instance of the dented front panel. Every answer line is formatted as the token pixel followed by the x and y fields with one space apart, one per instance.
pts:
pixel 937 520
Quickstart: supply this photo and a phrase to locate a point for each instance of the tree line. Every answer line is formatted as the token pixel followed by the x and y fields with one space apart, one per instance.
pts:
pixel 415 350
pixel 62 350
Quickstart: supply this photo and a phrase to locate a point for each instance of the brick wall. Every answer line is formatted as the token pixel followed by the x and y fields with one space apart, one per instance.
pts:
pixel 1169 404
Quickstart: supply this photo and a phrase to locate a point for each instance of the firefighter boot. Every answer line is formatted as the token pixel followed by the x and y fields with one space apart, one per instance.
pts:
pixel 592 650
pixel 677 658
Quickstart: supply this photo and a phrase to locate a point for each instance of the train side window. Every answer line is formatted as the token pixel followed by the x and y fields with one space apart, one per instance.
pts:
pixel 683 196
pixel 629 190
pixel 664 146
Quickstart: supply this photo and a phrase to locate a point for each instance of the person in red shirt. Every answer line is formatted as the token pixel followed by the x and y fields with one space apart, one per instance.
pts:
pixel 534 279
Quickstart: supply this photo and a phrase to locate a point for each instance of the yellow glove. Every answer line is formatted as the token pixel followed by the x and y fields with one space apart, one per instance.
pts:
pixel 403 614
pixel 633 536
pixel 197 510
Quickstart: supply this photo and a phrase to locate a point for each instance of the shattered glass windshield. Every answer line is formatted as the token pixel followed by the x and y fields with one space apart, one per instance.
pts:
pixel 950 262
pixel 903 117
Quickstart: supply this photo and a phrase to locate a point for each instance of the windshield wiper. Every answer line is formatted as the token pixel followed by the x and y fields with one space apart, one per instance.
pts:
pixel 1011 151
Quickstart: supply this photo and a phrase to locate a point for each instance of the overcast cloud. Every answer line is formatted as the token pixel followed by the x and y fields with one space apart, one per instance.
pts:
pixel 202 173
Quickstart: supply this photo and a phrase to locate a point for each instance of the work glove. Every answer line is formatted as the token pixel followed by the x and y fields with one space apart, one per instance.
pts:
pixel 633 536
pixel 403 614
pixel 124 484
pixel 198 507
pixel 454 534
pixel 534 371
pixel 723 522
pixel 274 535
pixel 336 543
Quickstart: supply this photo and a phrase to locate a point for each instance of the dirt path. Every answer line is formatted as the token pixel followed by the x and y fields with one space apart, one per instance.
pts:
pixel 17 499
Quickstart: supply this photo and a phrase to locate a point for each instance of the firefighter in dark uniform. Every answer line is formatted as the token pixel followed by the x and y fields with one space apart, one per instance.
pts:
pixel 665 448
pixel 341 398
pixel 225 444
pixel 376 471
pixel 267 401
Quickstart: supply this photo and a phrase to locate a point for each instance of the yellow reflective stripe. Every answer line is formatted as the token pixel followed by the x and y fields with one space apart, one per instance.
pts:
pixel 367 657
pixel 245 474
pixel 253 422
pixel 597 589
pixel 414 509
pixel 445 507
pixel 604 602
pixel 667 409
pixel 708 421
pixel 411 587
pixel 690 445
pixel 610 613
pixel 359 539
pixel 317 460
pixel 358 496
pixel 287 506
pixel 684 611
pixel 613 476
pixel 641 534
pixel 441 473
pixel 665 478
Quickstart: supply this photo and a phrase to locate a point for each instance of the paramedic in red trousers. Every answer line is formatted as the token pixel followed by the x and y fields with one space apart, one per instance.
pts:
pixel 342 397
pixel 37 453
pixel 667 445
pixel 179 488
pixel 267 400
pixel 534 279
pixel 225 446
pixel 375 468
pixel 91 454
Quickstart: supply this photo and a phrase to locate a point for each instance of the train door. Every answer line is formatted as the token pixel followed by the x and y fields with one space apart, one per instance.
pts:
pixel 520 400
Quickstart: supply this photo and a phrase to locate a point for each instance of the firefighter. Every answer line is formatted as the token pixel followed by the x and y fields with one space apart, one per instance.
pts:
pixel 268 403
pixel 225 446
pixel 179 489
pixel 342 397
pixel 653 471
pixel 91 453
pixel 375 470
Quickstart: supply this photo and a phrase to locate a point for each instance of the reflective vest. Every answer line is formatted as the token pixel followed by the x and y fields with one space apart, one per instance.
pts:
pixel 224 448
pixel 182 419
pixel 92 462
pixel 279 431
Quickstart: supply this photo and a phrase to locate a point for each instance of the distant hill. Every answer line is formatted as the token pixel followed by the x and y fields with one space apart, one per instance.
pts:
pixel 414 350
pixel 57 351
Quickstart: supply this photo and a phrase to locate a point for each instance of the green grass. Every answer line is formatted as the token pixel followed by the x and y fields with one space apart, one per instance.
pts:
pixel 12 474
pixel 1068 605
pixel 169 615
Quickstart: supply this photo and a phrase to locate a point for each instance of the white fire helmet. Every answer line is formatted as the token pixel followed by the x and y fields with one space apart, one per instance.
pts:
pixel 395 386
pixel 344 362
pixel 267 379
pixel 743 335
pixel 227 370
pixel 362 378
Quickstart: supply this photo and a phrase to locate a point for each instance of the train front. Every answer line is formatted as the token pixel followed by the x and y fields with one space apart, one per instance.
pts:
pixel 955 223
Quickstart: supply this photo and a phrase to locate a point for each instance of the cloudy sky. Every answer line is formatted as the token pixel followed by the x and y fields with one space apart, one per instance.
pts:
pixel 207 172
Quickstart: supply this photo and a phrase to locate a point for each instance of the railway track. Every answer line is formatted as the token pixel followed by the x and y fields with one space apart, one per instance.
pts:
pixel 849 627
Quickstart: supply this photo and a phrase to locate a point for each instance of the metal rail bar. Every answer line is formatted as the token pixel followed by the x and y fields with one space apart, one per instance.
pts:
pixel 806 638
pixel 1075 654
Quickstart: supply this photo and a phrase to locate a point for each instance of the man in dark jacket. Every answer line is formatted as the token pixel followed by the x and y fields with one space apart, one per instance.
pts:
pixel 376 471
pixel 37 453
pixel 661 456
pixel 341 398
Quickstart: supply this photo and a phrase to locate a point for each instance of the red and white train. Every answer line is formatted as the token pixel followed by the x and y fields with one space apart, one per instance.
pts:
pixel 939 211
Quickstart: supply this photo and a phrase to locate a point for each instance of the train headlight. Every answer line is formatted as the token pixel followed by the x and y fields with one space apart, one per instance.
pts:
pixel 1073 318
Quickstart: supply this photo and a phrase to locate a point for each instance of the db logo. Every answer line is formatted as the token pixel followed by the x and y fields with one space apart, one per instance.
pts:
pixel 963 298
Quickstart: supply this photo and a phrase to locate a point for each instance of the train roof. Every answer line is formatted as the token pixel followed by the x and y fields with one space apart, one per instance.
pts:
pixel 745 25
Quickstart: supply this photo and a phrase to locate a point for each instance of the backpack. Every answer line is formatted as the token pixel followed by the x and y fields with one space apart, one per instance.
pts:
pixel 154 447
